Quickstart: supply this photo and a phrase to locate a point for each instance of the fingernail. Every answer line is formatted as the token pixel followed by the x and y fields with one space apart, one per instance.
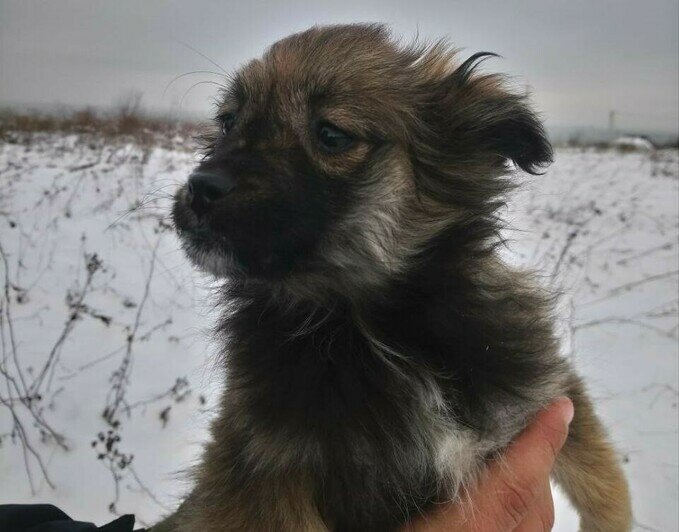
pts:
pixel 567 408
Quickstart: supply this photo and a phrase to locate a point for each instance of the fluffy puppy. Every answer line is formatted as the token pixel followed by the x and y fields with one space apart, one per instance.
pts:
pixel 377 351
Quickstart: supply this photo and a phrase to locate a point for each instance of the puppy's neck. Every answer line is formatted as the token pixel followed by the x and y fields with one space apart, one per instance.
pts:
pixel 463 315
pixel 443 276
pixel 438 270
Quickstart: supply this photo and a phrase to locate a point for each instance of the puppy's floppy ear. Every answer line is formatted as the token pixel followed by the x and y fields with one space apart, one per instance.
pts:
pixel 494 119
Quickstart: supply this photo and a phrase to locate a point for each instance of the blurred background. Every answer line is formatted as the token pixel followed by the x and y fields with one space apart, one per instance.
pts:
pixel 106 379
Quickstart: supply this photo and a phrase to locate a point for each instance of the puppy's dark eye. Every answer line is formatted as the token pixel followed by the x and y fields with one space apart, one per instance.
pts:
pixel 332 139
pixel 226 122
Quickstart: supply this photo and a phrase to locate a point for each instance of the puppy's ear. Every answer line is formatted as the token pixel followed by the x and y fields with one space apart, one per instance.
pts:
pixel 493 119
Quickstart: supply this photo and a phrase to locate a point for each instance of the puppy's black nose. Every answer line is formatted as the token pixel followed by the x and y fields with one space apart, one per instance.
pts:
pixel 205 188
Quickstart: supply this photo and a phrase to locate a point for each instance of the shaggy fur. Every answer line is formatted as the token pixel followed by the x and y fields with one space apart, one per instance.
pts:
pixel 377 351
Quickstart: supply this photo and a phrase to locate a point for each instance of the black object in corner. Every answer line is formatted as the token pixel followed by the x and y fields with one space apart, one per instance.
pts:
pixel 49 518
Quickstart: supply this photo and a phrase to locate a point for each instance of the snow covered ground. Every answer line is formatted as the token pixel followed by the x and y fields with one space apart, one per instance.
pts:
pixel 106 381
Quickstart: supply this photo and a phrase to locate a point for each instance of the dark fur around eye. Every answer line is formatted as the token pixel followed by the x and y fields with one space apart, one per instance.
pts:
pixel 226 122
pixel 332 139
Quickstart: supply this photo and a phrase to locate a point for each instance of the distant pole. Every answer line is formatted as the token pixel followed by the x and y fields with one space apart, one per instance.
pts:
pixel 611 122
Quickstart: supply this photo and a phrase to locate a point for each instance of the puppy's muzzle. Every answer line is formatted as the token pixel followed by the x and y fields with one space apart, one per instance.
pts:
pixel 206 188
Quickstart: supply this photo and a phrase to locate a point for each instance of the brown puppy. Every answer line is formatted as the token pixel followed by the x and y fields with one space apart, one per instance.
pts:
pixel 377 351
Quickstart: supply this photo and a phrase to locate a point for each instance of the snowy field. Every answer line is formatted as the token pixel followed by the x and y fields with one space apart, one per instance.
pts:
pixel 106 380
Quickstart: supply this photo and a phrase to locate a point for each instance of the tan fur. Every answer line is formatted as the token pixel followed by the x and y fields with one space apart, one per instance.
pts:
pixel 588 469
pixel 285 502
pixel 289 507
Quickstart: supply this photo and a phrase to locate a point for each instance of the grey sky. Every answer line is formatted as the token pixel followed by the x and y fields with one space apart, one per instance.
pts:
pixel 582 58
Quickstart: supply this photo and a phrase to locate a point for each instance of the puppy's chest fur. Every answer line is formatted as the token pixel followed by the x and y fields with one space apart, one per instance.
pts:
pixel 333 420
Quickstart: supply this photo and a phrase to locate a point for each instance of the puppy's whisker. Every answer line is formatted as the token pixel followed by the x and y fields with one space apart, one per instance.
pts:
pixel 201 54
pixel 187 91
pixel 193 73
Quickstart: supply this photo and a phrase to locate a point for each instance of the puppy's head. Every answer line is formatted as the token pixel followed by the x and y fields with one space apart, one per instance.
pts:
pixel 340 155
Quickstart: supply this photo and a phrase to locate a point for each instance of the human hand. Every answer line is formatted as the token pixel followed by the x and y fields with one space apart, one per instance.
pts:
pixel 513 494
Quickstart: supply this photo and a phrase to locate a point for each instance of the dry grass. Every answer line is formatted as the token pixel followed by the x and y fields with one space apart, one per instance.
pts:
pixel 126 122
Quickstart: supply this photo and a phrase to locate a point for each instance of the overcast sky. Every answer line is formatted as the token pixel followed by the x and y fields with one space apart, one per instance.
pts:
pixel 581 58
